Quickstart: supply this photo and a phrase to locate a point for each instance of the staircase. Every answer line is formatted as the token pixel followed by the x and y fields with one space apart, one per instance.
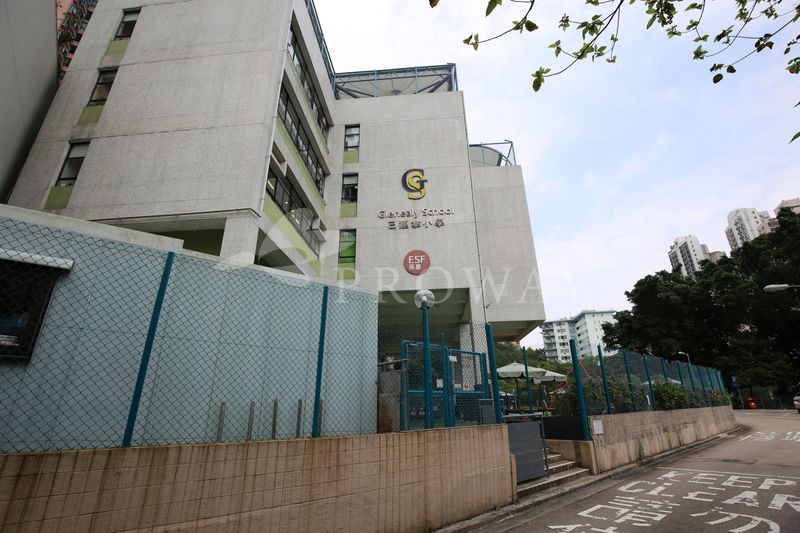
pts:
pixel 561 471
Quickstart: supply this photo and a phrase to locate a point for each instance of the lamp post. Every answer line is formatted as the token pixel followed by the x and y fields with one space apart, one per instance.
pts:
pixel 778 287
pixel 424 299
pixel 689 359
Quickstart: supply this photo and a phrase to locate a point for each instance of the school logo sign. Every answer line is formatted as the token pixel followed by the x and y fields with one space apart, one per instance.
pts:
pixel 414 182
pixel 417 262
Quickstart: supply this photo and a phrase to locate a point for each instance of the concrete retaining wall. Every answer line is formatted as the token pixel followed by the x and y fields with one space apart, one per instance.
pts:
pixel 412 481
pixel 629 437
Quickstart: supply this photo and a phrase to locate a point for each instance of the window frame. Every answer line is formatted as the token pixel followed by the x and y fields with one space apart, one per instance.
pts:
pixel 292 204
pixel 69 181
pixel 94 100
pixel 345 244
pixel 350 147
pixel 37 296
pixel 352 197
pixel 118 35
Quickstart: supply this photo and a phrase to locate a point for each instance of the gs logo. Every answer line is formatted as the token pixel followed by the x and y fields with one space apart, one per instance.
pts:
pixel 414 182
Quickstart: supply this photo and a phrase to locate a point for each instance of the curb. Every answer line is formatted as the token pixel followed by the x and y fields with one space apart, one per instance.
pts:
pixel 476 522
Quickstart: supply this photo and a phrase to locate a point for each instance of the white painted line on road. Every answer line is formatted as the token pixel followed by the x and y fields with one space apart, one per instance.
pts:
pixel 728 473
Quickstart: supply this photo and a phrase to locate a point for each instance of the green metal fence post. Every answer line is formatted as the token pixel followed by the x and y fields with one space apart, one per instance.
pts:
pixel 680 374
pixel 323 319
pixel 710 383
pixel 448 402
pixel 664 370
pixel 148 349
pixel 527 381
pixel 428 368
pixel 691 380
pixel 702 384
pixel 603 375
pixel 576 367
pixel 649 383
pixel 498 408
pixel 630 381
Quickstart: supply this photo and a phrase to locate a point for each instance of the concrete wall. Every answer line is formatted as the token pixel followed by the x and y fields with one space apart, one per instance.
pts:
pixel 513 297
pixel 226 333
pixel 30 73
pixel 413 481
pixel 630 437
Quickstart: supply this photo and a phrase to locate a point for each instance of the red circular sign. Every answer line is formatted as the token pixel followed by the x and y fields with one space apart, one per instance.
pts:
pixel 417 262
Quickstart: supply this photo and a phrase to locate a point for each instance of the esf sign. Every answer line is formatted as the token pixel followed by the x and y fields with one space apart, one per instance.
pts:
pixel 417 262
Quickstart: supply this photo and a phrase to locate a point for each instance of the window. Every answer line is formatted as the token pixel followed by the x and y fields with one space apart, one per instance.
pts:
pixel 72 165
pixel 347 246
pixel 25 291
pixel 352 137
pixel 300 138
pixel 127 24
pixel 103 86
pixel 349 188
pixel 299 62
pixel 292 205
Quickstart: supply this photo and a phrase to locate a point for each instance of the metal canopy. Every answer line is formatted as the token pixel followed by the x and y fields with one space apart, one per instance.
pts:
pixel 393 82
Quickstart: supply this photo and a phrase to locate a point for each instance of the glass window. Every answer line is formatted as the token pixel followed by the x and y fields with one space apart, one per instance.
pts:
pixel 72 165
pixel 300 65
pixel 102 87
pixel 126 25
pixel 352 137
pixel 25 291
pixel 347 246
pixel 300 138
pixel 349 188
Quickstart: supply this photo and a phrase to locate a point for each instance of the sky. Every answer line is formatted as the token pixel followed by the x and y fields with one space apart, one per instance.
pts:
pixel 618 159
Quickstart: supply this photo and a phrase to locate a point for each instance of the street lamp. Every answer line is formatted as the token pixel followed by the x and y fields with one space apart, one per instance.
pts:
pixel 687 357
pixel 424 299
pixel 778 287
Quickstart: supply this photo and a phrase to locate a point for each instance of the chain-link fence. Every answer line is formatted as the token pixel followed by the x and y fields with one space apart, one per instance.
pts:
pixel 626 381
pixel 105 343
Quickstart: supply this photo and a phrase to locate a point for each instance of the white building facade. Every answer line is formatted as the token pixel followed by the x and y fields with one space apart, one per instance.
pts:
pixel 686 253
pixel 744 225
pixel 230 130
pixel 586 328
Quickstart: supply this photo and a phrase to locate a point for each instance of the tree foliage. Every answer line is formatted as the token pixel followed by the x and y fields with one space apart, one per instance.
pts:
pixel 753 27
pixel 722 317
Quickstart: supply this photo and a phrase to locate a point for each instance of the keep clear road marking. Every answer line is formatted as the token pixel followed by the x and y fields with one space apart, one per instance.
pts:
pixel 727 473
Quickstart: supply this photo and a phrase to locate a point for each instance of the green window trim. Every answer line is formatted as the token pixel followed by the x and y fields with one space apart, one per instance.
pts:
pixel 350 157
pixel 345 272
pixel 348 210
pixel 117 47
pixel 58 197
pixel 90 114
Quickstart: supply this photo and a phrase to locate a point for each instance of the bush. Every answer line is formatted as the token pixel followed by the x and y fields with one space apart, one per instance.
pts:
pixel 719 397
pixel 670 396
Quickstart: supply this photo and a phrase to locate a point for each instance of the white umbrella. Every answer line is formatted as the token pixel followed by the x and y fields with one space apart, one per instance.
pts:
pixel 549 375
pixel 517 371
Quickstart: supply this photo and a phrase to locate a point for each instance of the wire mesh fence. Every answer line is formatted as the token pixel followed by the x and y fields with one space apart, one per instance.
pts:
pixel 626 381
pixel 105 343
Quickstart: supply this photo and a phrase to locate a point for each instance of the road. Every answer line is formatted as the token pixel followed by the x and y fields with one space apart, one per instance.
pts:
pixel 749 482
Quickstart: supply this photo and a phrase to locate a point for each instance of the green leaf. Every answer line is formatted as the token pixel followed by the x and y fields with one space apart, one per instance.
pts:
pixel 717 78
pixel 468 39
pixel 537 84
pixel 651 21
pixel 531 26
pixel 730 69
pixel 492 4
pixel 796 136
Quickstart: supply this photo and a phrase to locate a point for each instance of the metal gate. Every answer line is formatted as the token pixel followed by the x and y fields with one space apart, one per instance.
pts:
pixel 460 387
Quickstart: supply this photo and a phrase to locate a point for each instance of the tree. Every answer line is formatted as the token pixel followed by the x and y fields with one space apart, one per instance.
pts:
pixel 754 27
pixel 722 317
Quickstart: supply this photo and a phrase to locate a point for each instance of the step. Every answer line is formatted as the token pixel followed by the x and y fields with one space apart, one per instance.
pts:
pixel 553 480
pixel 560 466
pixel 554 457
